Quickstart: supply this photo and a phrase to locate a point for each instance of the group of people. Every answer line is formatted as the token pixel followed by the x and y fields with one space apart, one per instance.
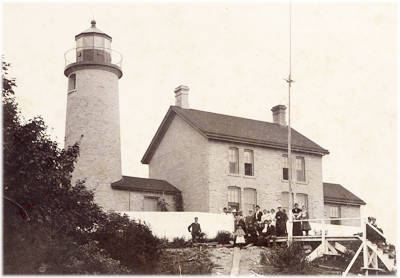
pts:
pixel 261 227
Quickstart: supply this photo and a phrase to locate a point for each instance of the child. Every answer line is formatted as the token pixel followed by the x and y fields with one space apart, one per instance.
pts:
pixel 240 236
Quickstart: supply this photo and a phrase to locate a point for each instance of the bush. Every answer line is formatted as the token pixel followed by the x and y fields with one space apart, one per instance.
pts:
pixel 33 248
pixel 287 260
pixel 179 242
pixel 51 225
pixel 223 237
pixel 128 241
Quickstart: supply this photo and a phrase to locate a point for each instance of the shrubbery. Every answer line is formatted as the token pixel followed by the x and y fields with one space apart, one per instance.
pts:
pixel 128 241
pixel 223 237
pixel 287 260
pixel 50 225
pixel 179 242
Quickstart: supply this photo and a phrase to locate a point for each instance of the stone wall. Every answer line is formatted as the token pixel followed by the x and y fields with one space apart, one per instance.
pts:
pixel 181 160
pixel 267 179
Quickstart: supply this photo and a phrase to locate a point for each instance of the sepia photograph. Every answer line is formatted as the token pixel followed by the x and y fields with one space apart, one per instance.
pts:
pixel 218 138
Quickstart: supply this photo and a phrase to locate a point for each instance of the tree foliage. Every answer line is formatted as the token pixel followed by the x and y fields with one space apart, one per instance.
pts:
pixel 51 225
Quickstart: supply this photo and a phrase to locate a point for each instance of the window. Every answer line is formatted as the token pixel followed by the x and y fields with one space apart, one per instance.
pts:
pixel 233 160
pixel 72 82
pixel 234 197
pixel 285 201
pixel 250 199
pixel 285 169
pixel 334 212
pixel 302 200
pixel 300 168
pixel 248 163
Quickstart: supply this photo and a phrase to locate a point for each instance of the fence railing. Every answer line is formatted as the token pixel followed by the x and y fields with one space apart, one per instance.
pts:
pixel 368 258
pixel 93 54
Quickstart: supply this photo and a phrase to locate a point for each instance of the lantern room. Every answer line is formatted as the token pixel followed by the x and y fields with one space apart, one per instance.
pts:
pixel 93 45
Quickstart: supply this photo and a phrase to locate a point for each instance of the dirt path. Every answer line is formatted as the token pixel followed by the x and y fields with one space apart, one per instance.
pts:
pixel 235 261
pixel 222 258
pixel 250 262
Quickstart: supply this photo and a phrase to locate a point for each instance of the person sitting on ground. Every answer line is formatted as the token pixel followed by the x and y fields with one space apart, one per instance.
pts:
pixel 269 233
pixel 305 226
pixel 195 230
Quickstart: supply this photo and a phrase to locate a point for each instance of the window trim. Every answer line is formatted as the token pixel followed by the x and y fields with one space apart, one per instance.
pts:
pixel 239 203
pixel 303 169
pixel 252 164
pixel 294 175
pixel 255 197
pixel 237 168
pixel 71 77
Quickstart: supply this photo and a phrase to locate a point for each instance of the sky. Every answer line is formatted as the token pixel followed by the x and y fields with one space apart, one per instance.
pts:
pixel 234 57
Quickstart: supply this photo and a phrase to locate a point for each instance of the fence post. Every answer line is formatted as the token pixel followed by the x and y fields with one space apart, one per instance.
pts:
pixel 323 229
pixel 290 232
pixel 365 246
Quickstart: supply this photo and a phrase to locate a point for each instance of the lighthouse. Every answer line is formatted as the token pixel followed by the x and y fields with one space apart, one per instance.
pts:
pixel 93 71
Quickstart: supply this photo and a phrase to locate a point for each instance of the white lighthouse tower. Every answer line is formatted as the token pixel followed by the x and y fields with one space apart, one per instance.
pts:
pixel 93 71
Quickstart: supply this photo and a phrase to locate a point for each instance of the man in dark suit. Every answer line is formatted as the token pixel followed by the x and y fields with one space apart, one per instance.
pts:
pixel 195 230
pixel 257 219
pixel 270 233
pixel 280 222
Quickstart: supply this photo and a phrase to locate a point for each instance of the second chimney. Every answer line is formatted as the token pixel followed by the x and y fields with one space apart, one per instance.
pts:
pixel 279 114
pixel 182 96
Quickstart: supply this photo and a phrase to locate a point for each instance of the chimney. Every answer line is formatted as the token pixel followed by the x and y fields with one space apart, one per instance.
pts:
pixel 182 96
pixel 279 114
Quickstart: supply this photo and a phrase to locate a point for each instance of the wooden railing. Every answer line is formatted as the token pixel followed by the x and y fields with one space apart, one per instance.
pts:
pixel 368 259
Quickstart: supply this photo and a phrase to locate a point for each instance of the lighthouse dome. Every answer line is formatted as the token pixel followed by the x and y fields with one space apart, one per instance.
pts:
pixel 93 30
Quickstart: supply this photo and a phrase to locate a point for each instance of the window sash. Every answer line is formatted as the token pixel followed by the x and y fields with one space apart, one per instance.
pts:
pixel 334 212
pixel 248 169
pixel 233 194
pixel 285 169
pixel 248 162
pixel 250 198
pixel 233 161
pixel 300 168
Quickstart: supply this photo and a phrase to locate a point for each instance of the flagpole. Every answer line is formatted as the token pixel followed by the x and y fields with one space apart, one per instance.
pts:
pixel 289 81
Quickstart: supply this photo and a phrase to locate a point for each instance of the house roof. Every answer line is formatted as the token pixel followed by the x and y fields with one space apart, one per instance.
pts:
pixel 234 129
pixel 336 193
pixel 144 185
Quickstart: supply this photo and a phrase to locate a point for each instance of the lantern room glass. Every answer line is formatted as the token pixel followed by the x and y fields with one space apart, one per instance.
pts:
pixel 93 48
